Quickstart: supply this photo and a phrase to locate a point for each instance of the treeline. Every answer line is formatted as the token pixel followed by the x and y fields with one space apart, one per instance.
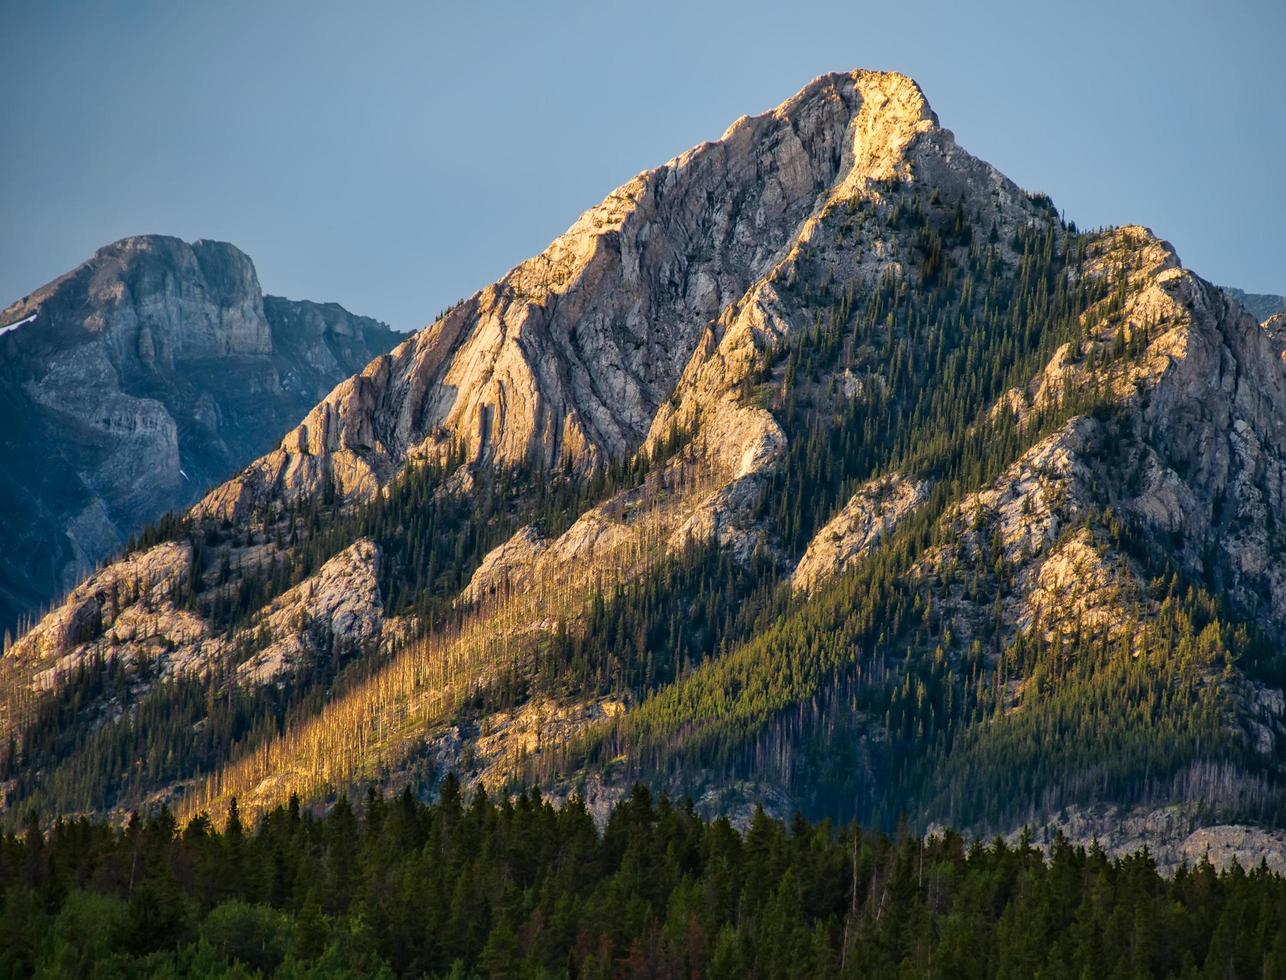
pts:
pixel 432 533
pixel 520 888
pixel 897 689
pixel 431 537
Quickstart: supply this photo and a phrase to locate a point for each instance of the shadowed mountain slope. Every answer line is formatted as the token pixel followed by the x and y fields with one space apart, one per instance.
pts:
pixel 148 374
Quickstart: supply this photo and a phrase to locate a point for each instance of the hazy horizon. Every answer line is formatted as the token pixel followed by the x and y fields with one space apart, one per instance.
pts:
pixel 395 160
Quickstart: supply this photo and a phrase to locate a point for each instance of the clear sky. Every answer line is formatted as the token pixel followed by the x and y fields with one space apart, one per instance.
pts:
pixel 394 157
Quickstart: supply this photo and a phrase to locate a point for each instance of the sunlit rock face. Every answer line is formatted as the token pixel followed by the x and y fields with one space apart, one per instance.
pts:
pixel 571 356
pixel 870 515
pixel 148 373
pixel 689 302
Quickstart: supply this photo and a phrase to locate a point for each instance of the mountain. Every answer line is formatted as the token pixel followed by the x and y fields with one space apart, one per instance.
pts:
pixel 821 466
pixel 140 379
pixel 1261 305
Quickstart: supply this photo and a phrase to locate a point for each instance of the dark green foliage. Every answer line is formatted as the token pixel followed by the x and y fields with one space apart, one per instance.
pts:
pixel 430 540
pixel 893 692
pixel 862 702
pixel 937 359
pixel 519 888
pixel 865 701
pixel 652 632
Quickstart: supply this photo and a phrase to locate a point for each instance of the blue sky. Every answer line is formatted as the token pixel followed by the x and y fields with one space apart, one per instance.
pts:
pixel 394 157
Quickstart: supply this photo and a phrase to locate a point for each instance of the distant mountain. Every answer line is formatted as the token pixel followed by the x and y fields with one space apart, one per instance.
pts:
pixel 137 381
pixel 821 466
pixel 1260 305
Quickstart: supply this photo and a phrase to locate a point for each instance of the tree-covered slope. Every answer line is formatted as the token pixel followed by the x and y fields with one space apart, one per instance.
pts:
pixel 476 888
pixel 821 466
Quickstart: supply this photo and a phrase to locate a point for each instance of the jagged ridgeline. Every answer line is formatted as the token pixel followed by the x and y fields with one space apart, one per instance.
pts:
pixel 821 465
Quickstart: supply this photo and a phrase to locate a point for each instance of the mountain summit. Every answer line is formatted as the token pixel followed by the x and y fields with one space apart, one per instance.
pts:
pixel 821 466
pixel 567 359
pixel 141 378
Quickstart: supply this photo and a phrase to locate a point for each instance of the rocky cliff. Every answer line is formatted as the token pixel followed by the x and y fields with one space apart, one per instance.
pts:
pixel 149 373
pixel 1259 305
pixel 821 465
pixel 568 358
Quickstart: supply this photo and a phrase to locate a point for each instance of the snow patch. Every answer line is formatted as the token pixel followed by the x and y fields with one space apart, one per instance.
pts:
pixel 14 326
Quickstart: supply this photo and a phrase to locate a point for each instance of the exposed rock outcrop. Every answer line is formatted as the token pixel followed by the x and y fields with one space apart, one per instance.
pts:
pixel 703 317
pixel 127 602
pixel 127 611
pixel 331 613
pixel 1175 836
pixel 571 357
pixel 150 372
pixel 870 514
pixel 1260 305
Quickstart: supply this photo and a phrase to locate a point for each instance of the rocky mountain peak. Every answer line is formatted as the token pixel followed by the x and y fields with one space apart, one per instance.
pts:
pixel 571 357
pixel 943 503
pixel 152 299
pixel 146 374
